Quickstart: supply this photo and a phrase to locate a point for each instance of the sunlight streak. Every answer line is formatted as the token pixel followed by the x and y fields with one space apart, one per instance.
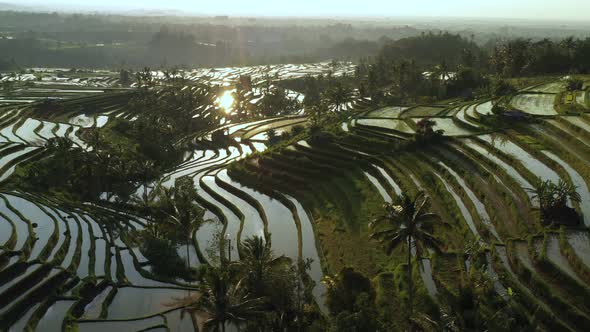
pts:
pixel 226 102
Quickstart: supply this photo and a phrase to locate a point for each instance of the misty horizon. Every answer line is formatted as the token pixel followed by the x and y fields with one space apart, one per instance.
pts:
pixel 372 9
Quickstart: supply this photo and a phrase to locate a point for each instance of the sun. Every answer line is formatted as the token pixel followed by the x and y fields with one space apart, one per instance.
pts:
pixel 226 101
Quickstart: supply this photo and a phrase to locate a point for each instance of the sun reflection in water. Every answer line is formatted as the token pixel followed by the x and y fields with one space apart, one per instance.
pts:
pixel 226 101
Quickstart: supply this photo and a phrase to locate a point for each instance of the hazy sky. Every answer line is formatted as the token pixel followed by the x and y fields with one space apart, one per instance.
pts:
pixel 541 9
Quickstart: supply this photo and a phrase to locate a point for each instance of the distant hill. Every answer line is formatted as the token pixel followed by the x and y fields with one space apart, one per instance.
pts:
pixel 7 6
pixel 12 6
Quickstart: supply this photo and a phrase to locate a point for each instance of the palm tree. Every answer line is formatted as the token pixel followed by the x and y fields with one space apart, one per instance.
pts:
pixel 409 222
pixel 339 95
pixel 553 198
pixel 318 113
pixel 178 207
pixel 147 169
pixel 257 263
pixel 223 302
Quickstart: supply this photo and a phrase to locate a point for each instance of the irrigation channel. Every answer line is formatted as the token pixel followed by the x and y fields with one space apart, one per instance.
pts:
pixel 65 267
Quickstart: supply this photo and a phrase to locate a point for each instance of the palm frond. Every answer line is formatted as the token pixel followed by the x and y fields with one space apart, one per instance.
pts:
pixel 393 243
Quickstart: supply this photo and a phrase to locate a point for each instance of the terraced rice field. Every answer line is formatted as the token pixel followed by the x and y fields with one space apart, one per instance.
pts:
pixel 535 104
pixel 478 183
pixel 484 108
pixel 85 253
pixel 449 126
pixel 397 125
pixel 387 112
pixel 423 111
pixel 82 271
pixel 552 87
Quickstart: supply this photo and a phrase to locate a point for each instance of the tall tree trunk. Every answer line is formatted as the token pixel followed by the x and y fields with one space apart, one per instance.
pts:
pixel 410 290
pixel 145 193
pixel 188 261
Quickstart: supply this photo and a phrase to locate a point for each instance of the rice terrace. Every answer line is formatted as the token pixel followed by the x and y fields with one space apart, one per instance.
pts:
pixel 435 181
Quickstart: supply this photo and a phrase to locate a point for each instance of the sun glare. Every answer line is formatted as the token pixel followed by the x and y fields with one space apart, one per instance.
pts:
pixel 226 101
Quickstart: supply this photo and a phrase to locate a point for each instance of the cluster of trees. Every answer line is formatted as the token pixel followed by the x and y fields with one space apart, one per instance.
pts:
pixel 524 57
pixel 173 216
pixel 356 304
pixel 8 64
pixel 57 40
pixel 454 71
pixel 173 104
pixel 126 153
pixel 430 49
pixel 276 102
pixel 264 292
pixel 258 292
pixel 273 138
pixel 432 67
pixel 108 170
pixel 273 100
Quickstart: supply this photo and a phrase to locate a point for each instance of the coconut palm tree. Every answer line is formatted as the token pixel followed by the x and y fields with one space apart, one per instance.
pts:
pixel 257 263
pixel 222 302
pixel 339 95
pixel 178 208
pixel 407 221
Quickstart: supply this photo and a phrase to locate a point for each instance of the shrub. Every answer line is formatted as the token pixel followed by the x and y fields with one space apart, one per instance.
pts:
pixel 297 129
pixel 502 88
pixel 425 131
pixel 573 84
pixel 219 137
